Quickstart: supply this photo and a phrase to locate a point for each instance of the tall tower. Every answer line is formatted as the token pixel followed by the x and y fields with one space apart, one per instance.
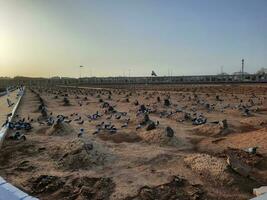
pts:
pixel 242 72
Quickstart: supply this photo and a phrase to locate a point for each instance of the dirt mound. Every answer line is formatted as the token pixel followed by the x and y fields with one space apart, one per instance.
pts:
pixel 54 187
pixel 210 168
pixel 14 149
pixel 25 166
pixel 178 188
pixel 253 121
pixel 208 129
pixel 247 139
pixel 42 130
pixel 66 102
pixel 245 157
pixel 125 100
pixel 158 136
pixel 61 129
pixel 79 154
pixel 46 184
pixel 120 137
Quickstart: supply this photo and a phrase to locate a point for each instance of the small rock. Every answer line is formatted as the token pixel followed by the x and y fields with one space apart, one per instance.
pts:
pixel 136 103
pixel 224 124
pixel 252 150
pixel 167 102
pixel 143 119
pixel 169 131
pixel 142 108
pixel 151 126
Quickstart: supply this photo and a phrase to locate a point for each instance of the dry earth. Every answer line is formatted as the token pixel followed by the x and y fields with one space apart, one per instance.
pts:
pixel 133 162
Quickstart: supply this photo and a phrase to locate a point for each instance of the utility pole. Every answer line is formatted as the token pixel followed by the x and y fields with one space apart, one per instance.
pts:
pixel 242 71
pixel 80 70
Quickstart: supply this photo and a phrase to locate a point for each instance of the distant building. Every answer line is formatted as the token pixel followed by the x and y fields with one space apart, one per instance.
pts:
pixel 222 74
pixel 55 78
pixel 262 71
pixel 5 78
pixel 240 73
pixel 64 78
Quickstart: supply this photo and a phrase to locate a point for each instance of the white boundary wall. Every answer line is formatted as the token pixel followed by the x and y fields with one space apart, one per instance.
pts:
pixel 2 94
pixel 261 197
pixel 10 192
pixel 3 131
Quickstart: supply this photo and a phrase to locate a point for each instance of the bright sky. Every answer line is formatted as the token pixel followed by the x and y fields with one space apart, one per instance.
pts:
pixel 116 37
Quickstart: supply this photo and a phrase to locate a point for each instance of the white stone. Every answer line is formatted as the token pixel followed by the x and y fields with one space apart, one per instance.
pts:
pixel 259 191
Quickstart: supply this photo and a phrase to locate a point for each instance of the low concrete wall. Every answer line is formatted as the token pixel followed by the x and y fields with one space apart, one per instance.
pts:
pixel 4 129
pixel 2 94
pixel 10 90
pixel 10 192
pixel 261 197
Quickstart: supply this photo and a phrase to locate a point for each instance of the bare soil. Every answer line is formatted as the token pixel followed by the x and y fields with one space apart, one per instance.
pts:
pixel 134 163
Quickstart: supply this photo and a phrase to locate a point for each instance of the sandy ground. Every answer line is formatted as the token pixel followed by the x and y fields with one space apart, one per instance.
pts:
pixel 136 163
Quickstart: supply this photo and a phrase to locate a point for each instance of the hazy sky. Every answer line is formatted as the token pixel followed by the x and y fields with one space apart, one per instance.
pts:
pixel 116 37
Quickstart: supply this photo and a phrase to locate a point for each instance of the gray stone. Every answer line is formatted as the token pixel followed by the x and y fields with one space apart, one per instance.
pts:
pixel 169 131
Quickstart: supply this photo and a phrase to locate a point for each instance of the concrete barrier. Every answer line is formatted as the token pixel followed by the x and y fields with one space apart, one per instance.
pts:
pixel 10 192
pixel 261 197
pixel 4 129
pixel 2 94
pixel 10 90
